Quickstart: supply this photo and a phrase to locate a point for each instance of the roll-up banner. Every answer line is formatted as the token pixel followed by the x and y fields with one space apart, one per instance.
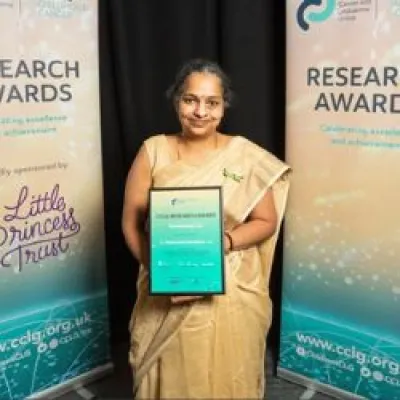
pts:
pixel 53 309
pixel 341 294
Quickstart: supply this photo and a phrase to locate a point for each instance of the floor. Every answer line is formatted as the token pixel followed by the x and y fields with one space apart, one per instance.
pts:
pixel 118 385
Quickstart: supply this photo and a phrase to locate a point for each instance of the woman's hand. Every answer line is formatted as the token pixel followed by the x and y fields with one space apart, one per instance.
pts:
pixel 184 299
pixel 228 243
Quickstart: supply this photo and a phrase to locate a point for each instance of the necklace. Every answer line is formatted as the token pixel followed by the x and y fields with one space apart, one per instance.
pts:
pixel 180 142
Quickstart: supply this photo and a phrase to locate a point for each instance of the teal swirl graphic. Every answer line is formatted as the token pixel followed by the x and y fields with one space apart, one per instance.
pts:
pixel 312 16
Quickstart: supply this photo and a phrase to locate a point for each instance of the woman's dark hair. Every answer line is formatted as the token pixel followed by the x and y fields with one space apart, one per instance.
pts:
pixel 201 66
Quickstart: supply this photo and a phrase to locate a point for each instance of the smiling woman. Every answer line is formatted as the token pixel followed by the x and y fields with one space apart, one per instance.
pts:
pixel 213 346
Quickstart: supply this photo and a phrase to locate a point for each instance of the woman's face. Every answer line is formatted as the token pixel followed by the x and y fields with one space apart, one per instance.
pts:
pixel 200 107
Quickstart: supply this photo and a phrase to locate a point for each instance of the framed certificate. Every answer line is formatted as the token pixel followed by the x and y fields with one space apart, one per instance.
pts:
pixel 186 241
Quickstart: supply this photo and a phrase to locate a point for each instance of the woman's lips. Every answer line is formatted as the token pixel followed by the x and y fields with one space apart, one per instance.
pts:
pixel 198 124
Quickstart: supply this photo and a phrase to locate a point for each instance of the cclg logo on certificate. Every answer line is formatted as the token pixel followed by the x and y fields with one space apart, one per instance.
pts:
pixel 186 241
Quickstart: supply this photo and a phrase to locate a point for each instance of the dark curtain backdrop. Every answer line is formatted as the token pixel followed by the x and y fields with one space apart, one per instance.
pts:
pixel 142 43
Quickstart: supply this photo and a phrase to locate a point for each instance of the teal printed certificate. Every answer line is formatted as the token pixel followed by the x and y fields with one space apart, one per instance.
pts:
pixel 186 241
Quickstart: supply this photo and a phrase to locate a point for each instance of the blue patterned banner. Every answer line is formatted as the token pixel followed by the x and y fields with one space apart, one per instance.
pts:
pixel 53 308
pixel 341 294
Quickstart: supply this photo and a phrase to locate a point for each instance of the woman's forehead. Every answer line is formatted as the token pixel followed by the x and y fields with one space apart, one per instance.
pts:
pixel 203 84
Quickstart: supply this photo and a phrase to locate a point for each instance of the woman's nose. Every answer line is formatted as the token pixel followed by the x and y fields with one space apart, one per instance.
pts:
pixel 200 109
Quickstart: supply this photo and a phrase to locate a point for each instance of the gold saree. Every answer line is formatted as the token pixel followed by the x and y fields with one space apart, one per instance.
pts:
pixel 211 348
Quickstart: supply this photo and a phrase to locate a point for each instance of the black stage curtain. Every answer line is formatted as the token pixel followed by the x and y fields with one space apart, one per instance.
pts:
pixel 142 43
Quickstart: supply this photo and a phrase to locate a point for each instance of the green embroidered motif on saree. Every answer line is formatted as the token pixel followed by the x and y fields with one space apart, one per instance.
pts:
pixel 232 175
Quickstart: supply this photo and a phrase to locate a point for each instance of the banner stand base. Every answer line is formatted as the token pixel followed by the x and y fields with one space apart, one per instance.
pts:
pixel 319 387
pixel 74 384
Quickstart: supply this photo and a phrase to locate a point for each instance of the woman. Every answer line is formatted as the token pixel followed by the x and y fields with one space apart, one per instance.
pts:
pixel 209 347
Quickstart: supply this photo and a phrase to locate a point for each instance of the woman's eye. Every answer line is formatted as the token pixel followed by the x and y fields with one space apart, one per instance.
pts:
pixel 188 100
pixel 213 103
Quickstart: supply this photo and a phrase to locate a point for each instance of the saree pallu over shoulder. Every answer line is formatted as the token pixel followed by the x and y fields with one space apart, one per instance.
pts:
pixel 216 343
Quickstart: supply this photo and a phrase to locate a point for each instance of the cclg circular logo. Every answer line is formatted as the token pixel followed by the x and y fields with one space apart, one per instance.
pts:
pixel 305 17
